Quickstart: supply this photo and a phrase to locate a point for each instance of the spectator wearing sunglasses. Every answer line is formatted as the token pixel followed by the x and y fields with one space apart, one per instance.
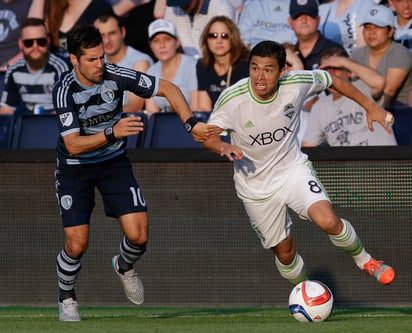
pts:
pixel 224 60
pixel 12 13
pixel 32 77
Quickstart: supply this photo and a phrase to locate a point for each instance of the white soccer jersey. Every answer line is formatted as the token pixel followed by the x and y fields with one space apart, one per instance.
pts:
pixel 266 131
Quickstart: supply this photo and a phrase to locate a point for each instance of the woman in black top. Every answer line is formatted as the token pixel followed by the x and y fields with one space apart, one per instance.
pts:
pixel 224 60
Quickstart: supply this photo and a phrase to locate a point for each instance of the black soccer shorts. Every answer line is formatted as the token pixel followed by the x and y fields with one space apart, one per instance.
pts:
pixel 75 185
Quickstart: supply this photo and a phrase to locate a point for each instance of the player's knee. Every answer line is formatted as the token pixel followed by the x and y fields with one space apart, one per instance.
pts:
pixel 332 225
pixel 139 239
pixel 76 249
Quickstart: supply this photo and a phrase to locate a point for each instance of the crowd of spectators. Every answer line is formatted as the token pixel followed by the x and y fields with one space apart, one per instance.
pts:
pixel 203 47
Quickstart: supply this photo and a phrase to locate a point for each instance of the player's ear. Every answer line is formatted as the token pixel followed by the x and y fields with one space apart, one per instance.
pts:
pixel 20 42
pixel 74 60
pixel 282 72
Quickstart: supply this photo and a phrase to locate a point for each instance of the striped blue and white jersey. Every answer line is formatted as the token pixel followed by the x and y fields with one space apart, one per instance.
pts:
pixel 90 110
pixel 403 35
pixel 34 88
pixel 266 131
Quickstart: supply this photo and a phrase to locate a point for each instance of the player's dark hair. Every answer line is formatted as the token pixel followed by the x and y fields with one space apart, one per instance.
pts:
pixel 83 37
pixel 269 49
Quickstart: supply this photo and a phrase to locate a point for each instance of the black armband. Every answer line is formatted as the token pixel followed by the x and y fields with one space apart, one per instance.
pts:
pixel 109 134
pixel 190 123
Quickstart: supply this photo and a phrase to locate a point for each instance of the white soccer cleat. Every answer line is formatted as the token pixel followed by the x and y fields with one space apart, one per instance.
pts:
pixel 132 285
pixel 68 310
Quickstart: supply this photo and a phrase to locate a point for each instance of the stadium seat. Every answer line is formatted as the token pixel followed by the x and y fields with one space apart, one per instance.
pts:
pixel 165 130
pixel 35 132
pixel 6 129
pixel 402 126
pixel 137 141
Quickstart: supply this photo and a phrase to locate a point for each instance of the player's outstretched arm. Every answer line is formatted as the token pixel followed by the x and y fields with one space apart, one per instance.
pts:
pixel 200 131
pixel 215 145
pixel 373 111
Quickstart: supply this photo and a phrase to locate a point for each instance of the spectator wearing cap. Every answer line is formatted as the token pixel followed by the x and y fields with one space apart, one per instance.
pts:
pixel 403 22
pixel 171 65
pixel 383 54
pixel 304 20
pixel 340 21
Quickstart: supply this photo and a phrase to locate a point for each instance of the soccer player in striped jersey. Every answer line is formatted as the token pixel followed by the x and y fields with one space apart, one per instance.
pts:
pixel 91 153
pixel 271 173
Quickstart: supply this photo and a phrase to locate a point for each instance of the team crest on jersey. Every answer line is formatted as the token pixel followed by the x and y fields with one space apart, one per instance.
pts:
pixel 289 110
pixel 318 79
pixel 107 94
pixel 66 201
pixel 145 82
pixel 66 119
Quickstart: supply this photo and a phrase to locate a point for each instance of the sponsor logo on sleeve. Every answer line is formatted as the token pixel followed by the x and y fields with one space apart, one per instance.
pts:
pixel 145 82
pixel 66 119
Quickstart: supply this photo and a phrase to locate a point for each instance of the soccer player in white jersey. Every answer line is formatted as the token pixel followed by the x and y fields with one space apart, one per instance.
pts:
pixel 92 153
pixel 271 173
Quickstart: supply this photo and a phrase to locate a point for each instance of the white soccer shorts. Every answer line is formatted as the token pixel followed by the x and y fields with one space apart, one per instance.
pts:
pixel 298 190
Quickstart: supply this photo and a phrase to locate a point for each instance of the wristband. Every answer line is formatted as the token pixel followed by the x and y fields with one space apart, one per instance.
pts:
pixel 190 123
pixel 109 134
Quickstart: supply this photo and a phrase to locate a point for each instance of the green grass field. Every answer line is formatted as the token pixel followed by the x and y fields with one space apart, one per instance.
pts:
pixel 199 320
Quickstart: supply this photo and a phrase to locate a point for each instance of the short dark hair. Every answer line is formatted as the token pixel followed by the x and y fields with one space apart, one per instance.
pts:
pixel 83 37
pixel 269 49
pixel 334 51
pixel 33 22
pixel 106 17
